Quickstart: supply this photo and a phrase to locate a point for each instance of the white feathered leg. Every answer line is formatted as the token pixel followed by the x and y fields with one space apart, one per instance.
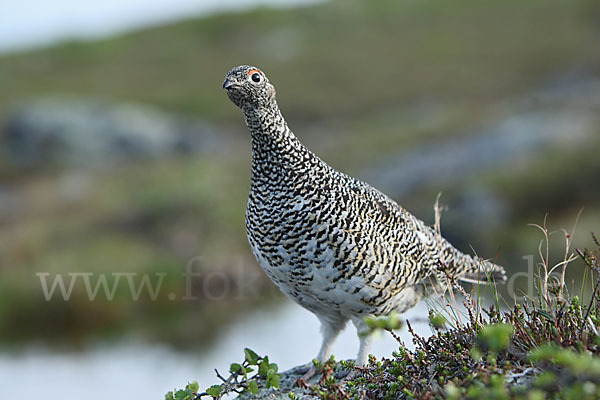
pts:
pixel 365 341
pixel 330 329
pixel 331 326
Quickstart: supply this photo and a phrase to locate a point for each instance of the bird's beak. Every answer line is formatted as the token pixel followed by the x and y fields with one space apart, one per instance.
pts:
pixel 227 84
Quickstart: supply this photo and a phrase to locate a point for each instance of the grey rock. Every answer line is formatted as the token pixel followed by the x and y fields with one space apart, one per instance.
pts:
pixel 76 131
pixel 522 378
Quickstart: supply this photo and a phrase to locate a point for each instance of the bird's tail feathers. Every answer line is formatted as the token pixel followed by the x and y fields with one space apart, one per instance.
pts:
pixel 482 271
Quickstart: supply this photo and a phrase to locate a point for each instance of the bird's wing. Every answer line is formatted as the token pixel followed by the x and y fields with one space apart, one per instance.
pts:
pixel 405 250
pixel 378 244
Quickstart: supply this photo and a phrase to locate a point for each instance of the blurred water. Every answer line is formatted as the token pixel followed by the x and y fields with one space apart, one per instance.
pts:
pixel 32 23
pixel 288 334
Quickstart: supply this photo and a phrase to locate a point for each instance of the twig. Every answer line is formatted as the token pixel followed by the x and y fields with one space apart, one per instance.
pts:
pixel 590 305
pixel 395 336
pixel 219 376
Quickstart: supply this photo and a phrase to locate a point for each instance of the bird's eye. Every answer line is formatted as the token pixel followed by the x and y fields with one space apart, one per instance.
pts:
pixel 254 74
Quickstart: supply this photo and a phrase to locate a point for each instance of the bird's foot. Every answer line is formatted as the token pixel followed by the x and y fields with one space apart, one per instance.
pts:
pixel 347 376
pixel 302 369
pixel 307 372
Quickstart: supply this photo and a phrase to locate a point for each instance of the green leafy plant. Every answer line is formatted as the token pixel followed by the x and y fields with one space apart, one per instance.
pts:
pixel 189 393
pixel 244 377
pixel 389 322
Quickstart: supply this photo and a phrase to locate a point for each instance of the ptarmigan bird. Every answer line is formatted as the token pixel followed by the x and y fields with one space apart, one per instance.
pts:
pixel 335 245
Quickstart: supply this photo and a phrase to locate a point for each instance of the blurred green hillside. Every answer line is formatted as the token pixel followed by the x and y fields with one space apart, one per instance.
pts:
pixel 337 59
pixel 361 83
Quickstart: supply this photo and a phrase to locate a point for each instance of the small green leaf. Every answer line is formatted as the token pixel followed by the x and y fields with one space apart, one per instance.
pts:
pixel 438 321
pixel 245 371
pixel 169 396
pixel 214 390
pixel 475 354
pixel 392 321
pixel 496 336
pixel 275 380
pixel 263 366
pixel 235 368
pixel 389 322
pixel 251 356
pixel 192 387
pixel 253 387
pixel 181 395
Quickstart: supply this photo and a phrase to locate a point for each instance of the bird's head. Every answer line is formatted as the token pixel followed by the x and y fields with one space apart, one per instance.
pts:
pixel 249 88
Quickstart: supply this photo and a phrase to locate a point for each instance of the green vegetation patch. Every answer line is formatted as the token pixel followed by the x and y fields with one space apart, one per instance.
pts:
pixel 547 347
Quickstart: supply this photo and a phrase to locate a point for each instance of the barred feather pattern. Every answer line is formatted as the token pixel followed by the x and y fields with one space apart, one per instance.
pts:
pixel 332 243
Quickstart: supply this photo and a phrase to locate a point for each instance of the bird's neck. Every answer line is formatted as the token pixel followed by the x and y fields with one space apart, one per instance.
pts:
pixel 276 152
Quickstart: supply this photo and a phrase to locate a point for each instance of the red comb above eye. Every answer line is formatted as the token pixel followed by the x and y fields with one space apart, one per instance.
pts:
pixel 253 71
